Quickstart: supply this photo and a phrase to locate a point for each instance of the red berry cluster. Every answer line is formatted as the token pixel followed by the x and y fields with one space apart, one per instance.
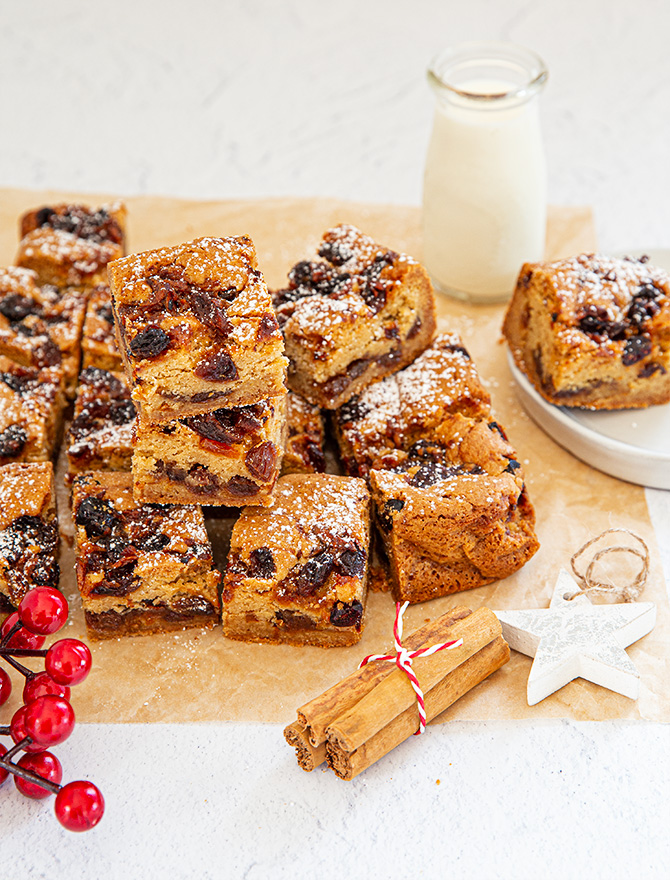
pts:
pixel 46 717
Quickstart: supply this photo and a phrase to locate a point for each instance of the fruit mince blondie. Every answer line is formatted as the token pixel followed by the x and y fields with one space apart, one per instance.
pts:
pixel 593 331
pixel 454 516
pixel 28 531
pixel 227 457
pixel 304 450
pixel 196 328
pixel 360 313
pixel 31 411
pixel 98 341
pixel 140 568
pixel 297 571
pixel 71 245
pixel 39 325
pixel 100 436
pixel 409 406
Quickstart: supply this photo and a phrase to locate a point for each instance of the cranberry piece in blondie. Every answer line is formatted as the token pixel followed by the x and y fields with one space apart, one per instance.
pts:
pixel 98 342
pixel 196 328
pixel 228 457
pixel 593 331
pixel 41 326
pixel 71 245
pixel 28 531
pixel 101 432
pixel 31 410
pixel 304 451
pixel 410 405
pixel 140 568
pixel 359 313
pixel 297 571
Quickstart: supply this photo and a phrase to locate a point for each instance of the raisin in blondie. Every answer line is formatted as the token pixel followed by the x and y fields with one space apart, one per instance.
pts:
pixel 71 245
pixel 140 568
pixel 28 531
pixel 297 571
pixel 593 331
pixel 196 328
pixel 100 436
pixel 225 457
pixel 359 314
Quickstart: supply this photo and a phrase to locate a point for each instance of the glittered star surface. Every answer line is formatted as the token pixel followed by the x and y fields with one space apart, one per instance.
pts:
pixel 575 639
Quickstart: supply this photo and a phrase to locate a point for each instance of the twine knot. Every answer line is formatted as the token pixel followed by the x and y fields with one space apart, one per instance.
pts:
pixel 403 660
pixel 628 592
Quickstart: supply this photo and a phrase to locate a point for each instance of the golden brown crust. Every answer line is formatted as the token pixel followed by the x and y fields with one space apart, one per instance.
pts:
pixel 593 331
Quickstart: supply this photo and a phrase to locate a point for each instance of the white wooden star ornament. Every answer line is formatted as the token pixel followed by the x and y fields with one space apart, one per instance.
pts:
pixel 574 638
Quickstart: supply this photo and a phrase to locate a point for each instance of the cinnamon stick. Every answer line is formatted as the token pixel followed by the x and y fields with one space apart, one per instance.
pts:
pixel 308 755
pixel 316 715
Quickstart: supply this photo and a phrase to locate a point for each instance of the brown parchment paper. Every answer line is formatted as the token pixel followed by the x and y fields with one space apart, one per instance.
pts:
pixel 200 676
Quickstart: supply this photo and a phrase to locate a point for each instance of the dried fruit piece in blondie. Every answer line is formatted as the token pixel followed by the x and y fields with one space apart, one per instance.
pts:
pixel 410 405
pixel 456 517
pixel 98 341
pixel 227 457
pixel 297 571
pixel 196 328
pixel 593 331
pixel 303 453
pixel 28 531
pixel 41 326
pixel 31 411
pixel 141 568
pixel 100 437
pixel 71 245
pixel 360 313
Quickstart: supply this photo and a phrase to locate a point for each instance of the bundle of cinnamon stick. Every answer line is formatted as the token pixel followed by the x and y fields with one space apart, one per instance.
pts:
pixel 371 711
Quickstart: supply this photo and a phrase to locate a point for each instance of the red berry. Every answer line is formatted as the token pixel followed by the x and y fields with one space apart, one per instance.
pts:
pixel 3 773
pixel 49 720
pixel 21 639
pixel 45 765
pixel 5 687
pixel 18 732
pixel 79 806
pixel 43 610
pixel 41 684
pixel 68 661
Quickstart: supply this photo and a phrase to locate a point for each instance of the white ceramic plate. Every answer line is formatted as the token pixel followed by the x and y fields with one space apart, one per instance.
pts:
pixel 631 444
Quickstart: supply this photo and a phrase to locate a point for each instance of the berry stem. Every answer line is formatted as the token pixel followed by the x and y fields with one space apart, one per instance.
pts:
pixel 18 666
pixel 28 775
pixel 17 626
pixel 23 652
pixel 26 741
pixel 5 730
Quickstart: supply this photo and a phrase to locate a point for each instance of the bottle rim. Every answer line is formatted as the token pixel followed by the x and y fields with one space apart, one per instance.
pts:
pixel 465 59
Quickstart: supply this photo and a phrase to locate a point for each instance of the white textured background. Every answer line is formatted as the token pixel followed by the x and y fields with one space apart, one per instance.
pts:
pixel 257 98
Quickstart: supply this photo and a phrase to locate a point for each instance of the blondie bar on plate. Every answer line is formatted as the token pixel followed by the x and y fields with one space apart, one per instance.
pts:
pixel 141 568
pixel 593 331
pixel 360 313
pixel 196 328
pixel 297 570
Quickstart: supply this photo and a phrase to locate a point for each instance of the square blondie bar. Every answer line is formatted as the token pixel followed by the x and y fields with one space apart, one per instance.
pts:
pixel 297 570
pixel 71 245
pixel 31 411
pixel 140 568
pixel 360 313
pixel 98 341
pixel 196 328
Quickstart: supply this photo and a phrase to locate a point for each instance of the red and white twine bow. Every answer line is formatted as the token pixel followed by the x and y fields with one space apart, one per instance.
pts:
pixel 403 660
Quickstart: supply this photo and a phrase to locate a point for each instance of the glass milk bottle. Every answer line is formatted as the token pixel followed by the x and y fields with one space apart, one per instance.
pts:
pixel 484 199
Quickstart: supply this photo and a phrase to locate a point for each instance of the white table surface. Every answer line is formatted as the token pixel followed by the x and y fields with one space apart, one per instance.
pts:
pixel 224 98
